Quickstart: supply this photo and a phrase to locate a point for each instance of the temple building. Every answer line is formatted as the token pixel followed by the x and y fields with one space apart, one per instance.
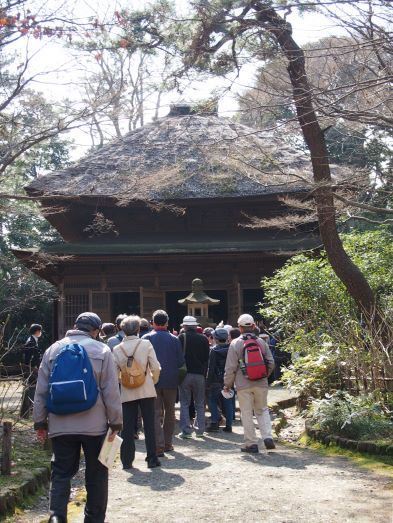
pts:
pixel 146 214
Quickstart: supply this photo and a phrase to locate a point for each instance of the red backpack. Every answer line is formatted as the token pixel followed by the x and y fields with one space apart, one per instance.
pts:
pixel 254 359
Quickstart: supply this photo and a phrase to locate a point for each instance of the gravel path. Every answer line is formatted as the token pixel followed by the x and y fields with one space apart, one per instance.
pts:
pixel 211 480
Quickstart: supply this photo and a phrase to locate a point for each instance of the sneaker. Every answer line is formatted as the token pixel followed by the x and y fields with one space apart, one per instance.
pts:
pixel 200 435
pixel 251 449
pixel 269 443
pixel 227 429
pixel 185 435
pixel 213 427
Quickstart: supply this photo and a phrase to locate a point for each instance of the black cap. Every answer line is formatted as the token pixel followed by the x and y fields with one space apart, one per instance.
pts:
pixel 88 321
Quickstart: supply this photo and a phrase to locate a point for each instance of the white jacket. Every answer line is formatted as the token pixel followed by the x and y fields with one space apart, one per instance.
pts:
pixel 146 357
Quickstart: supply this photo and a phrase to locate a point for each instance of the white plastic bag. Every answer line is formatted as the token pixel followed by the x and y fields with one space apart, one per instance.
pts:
pixel 109 450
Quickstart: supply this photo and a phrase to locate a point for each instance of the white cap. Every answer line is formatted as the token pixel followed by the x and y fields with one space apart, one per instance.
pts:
pixel 245 320
pixel 190 321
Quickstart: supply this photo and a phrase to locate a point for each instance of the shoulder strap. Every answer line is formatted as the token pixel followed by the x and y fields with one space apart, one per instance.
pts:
pixel 133 354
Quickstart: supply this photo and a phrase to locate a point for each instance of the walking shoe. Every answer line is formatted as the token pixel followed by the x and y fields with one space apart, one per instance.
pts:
pixel 152 463
pixel 185 435
pixel 169 448
pixel 269 444
pixel 251 449
pixel 160 453
pixel 213 427
pixel 227 429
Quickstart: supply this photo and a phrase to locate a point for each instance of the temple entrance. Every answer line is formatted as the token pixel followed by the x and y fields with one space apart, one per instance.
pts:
pixel 124 303
pixel 251 300
pixel 177 312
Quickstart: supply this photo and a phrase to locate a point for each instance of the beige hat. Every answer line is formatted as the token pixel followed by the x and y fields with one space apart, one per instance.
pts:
pixel 189 321
pixel 245 320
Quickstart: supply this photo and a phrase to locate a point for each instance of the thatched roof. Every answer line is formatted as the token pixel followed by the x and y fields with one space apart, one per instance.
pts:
pixel 183 156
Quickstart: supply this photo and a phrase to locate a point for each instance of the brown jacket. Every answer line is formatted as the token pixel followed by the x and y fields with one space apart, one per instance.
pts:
pixel 233 374
pixel 106 411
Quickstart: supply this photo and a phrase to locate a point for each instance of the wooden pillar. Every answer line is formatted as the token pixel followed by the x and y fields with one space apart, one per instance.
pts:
pixel 6 448
pixel 61 311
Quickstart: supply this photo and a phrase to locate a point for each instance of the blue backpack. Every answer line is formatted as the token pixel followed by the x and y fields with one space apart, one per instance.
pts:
pixel 72 385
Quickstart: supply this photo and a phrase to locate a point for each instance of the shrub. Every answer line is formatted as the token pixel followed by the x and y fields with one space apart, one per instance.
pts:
pixel 331 344
pixel 357 417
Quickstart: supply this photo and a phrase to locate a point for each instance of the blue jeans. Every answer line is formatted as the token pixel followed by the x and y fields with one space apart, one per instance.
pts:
pixel 214 399
pixel 193 384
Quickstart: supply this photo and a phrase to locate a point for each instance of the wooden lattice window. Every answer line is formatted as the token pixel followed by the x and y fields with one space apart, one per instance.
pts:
pixel 75 304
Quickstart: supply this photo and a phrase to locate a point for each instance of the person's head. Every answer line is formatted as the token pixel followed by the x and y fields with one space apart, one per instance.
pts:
pixel 145 325
pixel 208 332
pixel 35 330
pixel 221 336
pixel 130 325
pixel 234 333
pixel 189 323
pixel 89 322
pixel 108 329
pixel 246 323
pixel 119 319
pixel 160 318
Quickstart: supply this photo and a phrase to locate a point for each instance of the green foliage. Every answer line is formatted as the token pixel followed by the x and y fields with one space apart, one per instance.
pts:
pixel 306 294
pixel 24 297
pixel 307 303
pixel 353 417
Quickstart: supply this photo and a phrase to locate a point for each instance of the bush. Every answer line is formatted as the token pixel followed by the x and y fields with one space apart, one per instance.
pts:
pixel 331 345
pixel 359 418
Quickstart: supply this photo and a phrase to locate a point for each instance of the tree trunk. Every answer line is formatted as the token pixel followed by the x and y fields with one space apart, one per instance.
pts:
pixel 353 279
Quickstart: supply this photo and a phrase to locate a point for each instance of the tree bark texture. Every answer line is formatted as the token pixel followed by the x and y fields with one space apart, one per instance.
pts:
pixel 6 448
pixel 348 272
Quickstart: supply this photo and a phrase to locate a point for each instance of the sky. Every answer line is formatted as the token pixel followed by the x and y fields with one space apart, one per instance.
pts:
pixel 62 69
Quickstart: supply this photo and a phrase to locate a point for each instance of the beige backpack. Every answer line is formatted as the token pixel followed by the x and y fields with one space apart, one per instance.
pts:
pixel 132 375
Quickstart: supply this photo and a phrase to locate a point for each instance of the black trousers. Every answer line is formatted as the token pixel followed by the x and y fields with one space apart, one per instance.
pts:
pixel 130 415
pixel 64 466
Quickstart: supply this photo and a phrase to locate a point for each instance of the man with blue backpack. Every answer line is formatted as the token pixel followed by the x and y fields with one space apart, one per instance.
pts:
pixel 77 398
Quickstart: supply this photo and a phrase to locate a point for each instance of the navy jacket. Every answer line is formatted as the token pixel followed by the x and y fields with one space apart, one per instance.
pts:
pixel 217 359
pixel 170 355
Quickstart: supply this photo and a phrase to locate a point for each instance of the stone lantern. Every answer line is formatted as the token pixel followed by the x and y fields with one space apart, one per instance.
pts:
pixel 198 303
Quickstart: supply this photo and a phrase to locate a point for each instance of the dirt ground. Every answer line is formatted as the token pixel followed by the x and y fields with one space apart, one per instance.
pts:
pixel 211 480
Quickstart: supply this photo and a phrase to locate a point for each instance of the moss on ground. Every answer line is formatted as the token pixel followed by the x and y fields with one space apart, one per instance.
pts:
pixel 382 465
pixel 27 455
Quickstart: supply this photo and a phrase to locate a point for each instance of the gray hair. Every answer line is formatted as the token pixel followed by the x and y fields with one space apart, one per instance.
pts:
pixel 130 325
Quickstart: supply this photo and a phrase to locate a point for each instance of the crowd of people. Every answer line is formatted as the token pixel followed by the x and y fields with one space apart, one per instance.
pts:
pixel 194 367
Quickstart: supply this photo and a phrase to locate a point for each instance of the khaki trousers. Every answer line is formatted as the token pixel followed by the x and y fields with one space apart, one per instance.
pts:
pixel 165 417
pixel 252 401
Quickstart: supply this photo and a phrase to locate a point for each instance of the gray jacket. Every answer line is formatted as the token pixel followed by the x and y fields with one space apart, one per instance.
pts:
pixel 106 411
pixel 233 374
